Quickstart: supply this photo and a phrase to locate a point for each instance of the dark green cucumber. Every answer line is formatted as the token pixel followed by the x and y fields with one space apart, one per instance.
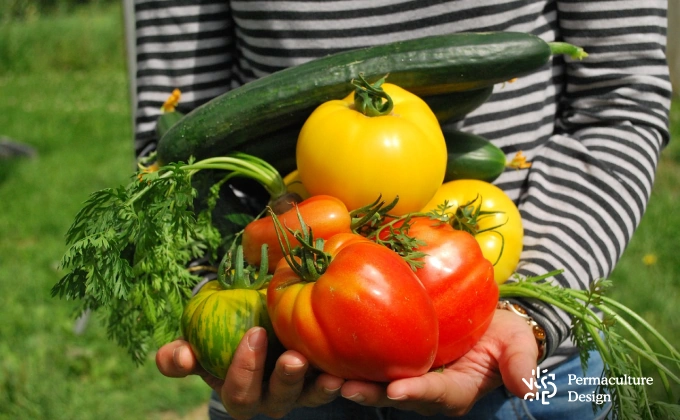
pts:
pixel 167 120
pixel 425 66
pixel 455 105
pixel 472 157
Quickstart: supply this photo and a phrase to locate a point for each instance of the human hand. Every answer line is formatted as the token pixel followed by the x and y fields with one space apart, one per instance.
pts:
pixel 245 392
pixel 506 354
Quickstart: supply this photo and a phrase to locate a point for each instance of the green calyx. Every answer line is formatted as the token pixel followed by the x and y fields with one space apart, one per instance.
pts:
pixel 366 219
pixel 370 99
pixel 233 273
pixel 307 258
pixel 375 222
pixel 466 217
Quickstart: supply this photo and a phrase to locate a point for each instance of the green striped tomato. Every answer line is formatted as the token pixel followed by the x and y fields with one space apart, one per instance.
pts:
pixel 215 320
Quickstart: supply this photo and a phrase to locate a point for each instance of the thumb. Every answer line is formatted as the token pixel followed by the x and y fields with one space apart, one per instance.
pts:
pixel 176 359
pixel 517 360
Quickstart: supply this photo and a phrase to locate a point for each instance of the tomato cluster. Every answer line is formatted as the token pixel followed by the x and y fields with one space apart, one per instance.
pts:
pixel 356 308
pixel 372 291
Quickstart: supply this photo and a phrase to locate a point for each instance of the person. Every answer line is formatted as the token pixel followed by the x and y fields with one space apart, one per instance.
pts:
pixel 592 130
pixel 673 47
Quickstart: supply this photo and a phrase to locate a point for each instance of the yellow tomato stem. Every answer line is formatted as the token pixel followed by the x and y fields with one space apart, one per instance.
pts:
pixel 500 252
pixel 370 99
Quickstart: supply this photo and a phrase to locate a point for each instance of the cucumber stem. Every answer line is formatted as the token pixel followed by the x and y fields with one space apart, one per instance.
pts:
pixel 573 51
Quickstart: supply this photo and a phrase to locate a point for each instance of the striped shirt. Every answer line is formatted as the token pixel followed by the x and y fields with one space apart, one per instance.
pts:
pixel 593 129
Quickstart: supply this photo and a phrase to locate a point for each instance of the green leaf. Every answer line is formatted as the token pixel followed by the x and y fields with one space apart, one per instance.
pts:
pixel 129 248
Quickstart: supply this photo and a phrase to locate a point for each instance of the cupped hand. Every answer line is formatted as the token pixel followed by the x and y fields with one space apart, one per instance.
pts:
pixel 505 355
pixel 245 392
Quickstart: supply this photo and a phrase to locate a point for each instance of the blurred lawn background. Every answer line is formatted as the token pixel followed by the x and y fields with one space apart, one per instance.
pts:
pixel 64 92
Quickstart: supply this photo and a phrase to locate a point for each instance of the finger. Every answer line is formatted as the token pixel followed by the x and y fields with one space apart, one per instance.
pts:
pixel 176 359
pixel 291 385
pixel 429 394
pixel 452 393
pixel 366 393
pixel 242 389
pixel 286 384
pixel 518 362
pixel 322 390
pixel 518 366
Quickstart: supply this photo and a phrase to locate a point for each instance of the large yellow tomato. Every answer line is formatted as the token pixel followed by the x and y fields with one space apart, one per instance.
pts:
pixel 356 158
pixel 502 245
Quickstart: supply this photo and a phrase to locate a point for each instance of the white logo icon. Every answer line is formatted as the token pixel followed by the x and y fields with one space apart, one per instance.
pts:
pixel 542 384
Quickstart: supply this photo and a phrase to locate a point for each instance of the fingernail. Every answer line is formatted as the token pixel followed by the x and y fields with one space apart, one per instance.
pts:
pixel 399 398
pixel 257 339
pixel 292 369
pixel 356 398
pixel 177 357
pixel 331 391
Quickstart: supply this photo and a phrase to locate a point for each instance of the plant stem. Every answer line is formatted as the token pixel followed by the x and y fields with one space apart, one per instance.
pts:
pixel 240 164
pixel 245 165
pixel 509 290
pixel 605 308
pixel 592 322
pixel 235 276
pixel 368 98
pixel 573 51
pixel 621 321
pixel 613 303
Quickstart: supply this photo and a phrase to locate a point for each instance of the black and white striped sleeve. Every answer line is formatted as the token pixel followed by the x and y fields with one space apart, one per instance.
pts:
pixel 180 44
pixel 590 182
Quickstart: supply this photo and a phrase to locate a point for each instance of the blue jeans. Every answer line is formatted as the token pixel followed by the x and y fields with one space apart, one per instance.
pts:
pixel 560 401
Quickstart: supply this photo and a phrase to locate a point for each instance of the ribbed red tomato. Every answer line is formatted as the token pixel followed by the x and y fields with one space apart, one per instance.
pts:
pixel 366 317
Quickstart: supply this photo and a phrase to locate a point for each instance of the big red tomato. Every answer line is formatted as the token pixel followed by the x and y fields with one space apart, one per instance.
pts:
pixel 460 282
pixel 326 216
pixel 366 317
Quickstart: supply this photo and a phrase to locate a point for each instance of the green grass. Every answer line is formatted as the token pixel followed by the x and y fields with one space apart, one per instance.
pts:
pixel 88 39
pixel 653 290
pixel 68 98
pixel 63 90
